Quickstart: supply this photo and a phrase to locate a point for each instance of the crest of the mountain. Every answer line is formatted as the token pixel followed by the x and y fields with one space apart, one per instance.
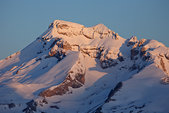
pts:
pixel 72 68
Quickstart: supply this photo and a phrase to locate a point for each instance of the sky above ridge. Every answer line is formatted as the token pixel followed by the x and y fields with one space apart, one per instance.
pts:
pixel 22 21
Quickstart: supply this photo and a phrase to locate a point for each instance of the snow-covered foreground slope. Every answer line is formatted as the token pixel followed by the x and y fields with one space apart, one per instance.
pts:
pixel 142 93
pixel 71 68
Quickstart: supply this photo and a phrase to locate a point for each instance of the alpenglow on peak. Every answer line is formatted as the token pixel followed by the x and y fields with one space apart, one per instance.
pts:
pixel 71 68
pixel 71 29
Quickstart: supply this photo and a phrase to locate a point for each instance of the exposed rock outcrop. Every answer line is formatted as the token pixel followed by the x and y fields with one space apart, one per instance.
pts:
pixel 141 42
pixel 113 91
pixel 31 107
pixel 68 28
pixel 134 52
pixel 74 79
pixel 132 41
pixel 167 56
pixel 110 95
pixel 59 49
pixel 120 57
pixel 88 32
pixel 165 80
pixel 163 65
pixel 143 51
pixel 93 52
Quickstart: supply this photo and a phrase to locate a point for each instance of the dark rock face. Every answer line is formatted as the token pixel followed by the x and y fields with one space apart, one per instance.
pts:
pixel 98 110
pixel 59 46
pixel 146 57
pixel 167 56
pixel 137 47
pixel 60 55
pixel 76 81
pixel 31 107
pixel 134 52
pixel 38 59
pixel 143 51
pixel 163 65
pixel 102 55
pixel 51 25
pixel 120 57
pixel 132 41
pixel 107 57
pixel 134 67
pixel 113 91
pixel 108 63
pixel 58 49
pixel 11 105
pixel 56 107
pixel 54 43
pixel 145 54
pixel 64 87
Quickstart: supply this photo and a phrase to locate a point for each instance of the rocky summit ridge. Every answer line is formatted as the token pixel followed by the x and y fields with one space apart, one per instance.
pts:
pixel 72 68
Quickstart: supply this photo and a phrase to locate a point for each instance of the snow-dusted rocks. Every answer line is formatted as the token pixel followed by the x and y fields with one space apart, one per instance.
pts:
pixel 59 48
pixel 108 58
pixel 68 28
pixel 92 51
pixel 102 31
pixel 75 79
pixel 76 69
pixel 73 29
pixel 132 41
pixel 98 31
pixel 88 32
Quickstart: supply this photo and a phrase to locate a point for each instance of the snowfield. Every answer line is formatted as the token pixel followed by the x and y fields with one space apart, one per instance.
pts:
pixel 71 68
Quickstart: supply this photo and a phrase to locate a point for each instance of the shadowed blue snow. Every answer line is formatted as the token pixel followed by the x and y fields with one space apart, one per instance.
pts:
pixel 23 21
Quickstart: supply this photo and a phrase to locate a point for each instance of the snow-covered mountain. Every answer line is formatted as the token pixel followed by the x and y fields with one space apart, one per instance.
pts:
pixel 71 68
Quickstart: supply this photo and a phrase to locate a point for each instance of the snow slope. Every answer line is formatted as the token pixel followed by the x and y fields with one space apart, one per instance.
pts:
pixel 72 68
pixel 142 93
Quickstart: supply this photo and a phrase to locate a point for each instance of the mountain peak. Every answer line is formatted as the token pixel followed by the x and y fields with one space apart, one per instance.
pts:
pixel 81 34
pixel 71 62
pixel 64 24
pixel 101 28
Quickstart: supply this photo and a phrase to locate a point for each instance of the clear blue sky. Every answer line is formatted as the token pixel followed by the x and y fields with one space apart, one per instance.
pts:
pixel 22 21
